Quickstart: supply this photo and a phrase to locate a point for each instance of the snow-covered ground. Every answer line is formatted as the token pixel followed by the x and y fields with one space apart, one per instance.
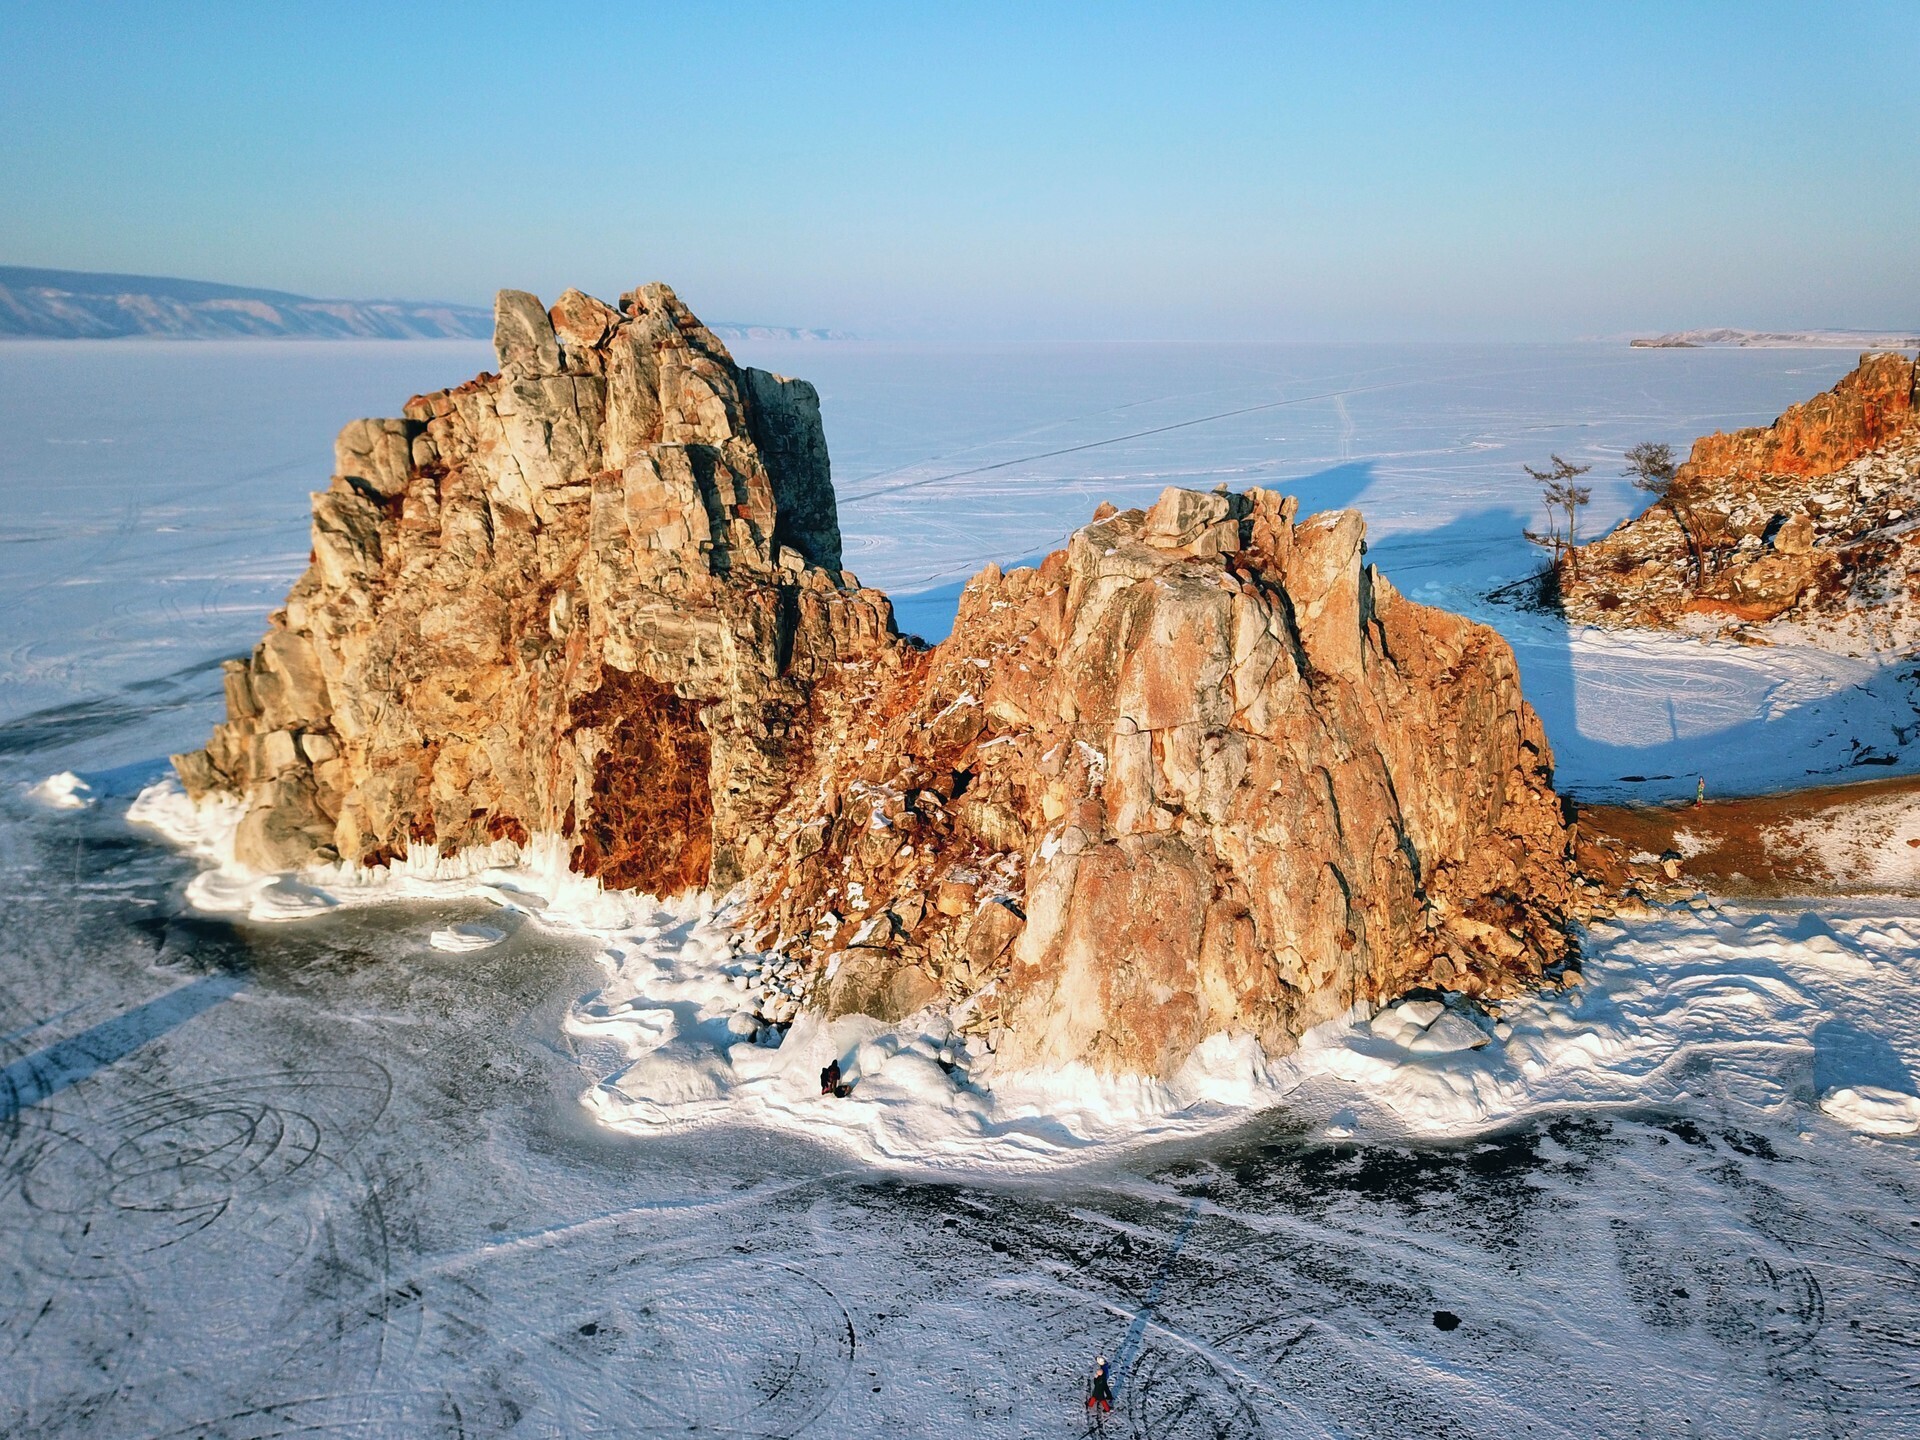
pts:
pixel 335 1176
pixel 679 1037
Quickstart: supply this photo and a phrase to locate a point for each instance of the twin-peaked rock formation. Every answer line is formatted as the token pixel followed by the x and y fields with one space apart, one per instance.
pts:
pixel 1202 771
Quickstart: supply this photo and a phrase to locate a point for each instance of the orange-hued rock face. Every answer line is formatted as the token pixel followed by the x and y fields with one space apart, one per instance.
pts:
pixel 1202 771
pixel 1806 520
pixel 585 596
pixel 650 826
pixel 1868 408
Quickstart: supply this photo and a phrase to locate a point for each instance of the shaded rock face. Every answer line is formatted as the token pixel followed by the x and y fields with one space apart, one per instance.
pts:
pixel 1204 770
pixel 1808 521
pixel 589 596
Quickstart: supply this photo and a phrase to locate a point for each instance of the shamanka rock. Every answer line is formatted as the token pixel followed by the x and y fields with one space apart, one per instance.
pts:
pixel 1203 770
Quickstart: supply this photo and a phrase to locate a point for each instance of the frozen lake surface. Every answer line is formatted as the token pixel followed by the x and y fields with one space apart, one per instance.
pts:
pixel 335 1178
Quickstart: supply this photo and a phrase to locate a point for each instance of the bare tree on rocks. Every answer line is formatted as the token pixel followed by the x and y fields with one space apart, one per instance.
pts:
pixel 1653 468
pixel 1563 499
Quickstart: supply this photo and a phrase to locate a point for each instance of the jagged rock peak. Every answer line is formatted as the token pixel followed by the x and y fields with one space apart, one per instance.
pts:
pixel 1203 770
pixel 588 596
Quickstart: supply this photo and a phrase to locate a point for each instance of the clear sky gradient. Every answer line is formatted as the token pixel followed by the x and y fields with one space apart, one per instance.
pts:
pixel 1029 171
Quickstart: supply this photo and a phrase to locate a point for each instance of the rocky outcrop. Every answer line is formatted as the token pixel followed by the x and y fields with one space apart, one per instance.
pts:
pixel 1870 407
pixel 588 596
pixel 1203 770
pixel 1810 520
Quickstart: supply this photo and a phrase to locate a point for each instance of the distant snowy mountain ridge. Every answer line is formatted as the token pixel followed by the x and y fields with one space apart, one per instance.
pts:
pixel 1783 339
pixel 82 305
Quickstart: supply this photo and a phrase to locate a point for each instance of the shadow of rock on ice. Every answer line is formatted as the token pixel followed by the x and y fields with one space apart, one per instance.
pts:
pixel 1847 1054
pixel 1641 715
pixel 47 1072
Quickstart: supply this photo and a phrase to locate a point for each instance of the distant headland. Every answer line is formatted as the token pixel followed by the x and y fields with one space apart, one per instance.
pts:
pixel 83 305
pixel 1782 340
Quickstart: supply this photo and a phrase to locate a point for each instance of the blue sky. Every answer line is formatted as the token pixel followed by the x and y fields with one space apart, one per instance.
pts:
pixel 1033 171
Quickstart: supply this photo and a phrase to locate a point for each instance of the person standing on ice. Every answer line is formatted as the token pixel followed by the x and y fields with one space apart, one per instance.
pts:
pixel 1100 1392
pixel 830 1078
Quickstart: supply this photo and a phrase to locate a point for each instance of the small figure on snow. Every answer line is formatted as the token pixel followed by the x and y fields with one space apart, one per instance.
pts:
pixel 1100 1390
pixel 1700 793
pixel 831 1083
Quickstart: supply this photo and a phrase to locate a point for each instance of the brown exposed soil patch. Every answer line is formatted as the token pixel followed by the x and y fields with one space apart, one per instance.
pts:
pixel 650 826
pixel 1759 847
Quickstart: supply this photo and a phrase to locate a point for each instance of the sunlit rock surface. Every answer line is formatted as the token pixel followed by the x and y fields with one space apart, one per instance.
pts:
pixel 1809 521
pixel 588 595
pixel 1203 771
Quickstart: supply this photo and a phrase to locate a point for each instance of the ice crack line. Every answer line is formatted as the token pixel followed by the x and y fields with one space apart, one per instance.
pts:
pixel 1099 444
pixel 1281 404
pixel 1136 1332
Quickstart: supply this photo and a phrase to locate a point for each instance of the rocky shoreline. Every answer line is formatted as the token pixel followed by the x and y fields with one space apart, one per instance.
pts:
pixel 1809 527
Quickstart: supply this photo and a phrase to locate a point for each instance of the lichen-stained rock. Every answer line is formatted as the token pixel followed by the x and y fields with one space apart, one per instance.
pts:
pixel 1806 526
pixel 1201 771
pixel 590 595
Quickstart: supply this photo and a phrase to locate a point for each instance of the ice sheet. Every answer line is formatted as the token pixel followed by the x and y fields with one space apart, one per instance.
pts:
pixel 157 503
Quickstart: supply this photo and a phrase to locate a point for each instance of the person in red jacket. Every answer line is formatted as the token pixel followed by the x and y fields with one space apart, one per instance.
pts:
pixel 1100 1392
